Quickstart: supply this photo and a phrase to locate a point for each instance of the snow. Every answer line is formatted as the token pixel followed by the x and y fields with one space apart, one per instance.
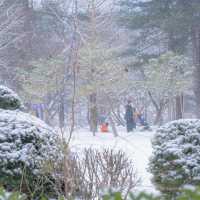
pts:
pixel 136 145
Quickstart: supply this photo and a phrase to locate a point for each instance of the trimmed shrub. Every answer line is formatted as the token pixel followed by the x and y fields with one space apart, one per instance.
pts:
pixel 26 143
pixel 9 99
pixel 176 156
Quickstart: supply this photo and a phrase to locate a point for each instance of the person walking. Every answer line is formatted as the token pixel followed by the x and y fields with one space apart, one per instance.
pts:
pixel 129 117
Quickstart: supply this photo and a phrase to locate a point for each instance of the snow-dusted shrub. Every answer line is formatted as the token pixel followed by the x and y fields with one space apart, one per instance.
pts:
pixel 9 99
pixel 176 156
pixel 26 143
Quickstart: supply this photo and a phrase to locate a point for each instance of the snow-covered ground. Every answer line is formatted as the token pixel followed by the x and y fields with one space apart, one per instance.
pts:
pixel 137 145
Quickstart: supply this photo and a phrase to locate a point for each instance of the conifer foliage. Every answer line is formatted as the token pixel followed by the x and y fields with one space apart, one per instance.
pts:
pixel 25 143
pixel 8 99
pixel 176 156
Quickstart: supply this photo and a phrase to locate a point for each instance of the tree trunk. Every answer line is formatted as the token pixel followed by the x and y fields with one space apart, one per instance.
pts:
pixel 196 59
pixel 47 116
pixel 172 46
pixel 93 113
pixel 159 118
pixel 159 107
pixel 61 110
pixel 118 118
pixel 112 123
pixel 169 110
pixel 28 26
pixel 179 106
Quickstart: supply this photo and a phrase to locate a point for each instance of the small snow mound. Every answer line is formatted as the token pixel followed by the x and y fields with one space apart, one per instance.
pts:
pixel 9 99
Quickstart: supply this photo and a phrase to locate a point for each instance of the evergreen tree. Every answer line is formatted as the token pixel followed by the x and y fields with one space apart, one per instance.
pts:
pixel 177 19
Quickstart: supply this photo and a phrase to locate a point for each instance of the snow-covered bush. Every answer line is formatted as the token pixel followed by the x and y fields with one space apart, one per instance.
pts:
pixel 9 99
pixel 26 143
pixel 176 156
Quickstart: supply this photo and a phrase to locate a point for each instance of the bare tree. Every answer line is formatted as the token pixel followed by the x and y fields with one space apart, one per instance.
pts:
pixel 11 23
pixel 88 175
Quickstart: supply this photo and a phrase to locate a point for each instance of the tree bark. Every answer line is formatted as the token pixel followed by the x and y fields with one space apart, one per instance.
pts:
pixel 118 118
pixel 93 113
pixel 112 123
pixel 172 46
pixel 196 60
pixel 159 118
pixel 159 109
pixel 61 110
pixel 179 106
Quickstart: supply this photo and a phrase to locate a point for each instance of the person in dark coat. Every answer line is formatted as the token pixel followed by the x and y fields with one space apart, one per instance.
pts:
pixel 129 117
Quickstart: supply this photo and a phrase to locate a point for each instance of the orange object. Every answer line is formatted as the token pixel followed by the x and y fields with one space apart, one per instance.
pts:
pixel 104 128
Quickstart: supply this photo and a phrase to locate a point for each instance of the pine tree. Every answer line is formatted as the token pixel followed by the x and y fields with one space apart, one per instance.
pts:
pixel 177 19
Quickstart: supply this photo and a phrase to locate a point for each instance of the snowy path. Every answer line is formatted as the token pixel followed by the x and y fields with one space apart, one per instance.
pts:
pixel 137 145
